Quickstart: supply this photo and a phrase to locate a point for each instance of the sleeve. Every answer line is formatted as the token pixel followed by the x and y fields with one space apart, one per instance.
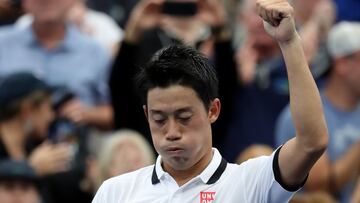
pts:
pixel 284 129
pixel 265 184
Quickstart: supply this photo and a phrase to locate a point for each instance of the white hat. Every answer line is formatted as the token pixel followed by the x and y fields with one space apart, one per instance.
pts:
pixel 344 39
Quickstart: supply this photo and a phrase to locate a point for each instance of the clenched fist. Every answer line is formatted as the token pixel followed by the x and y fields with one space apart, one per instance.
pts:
pixel 278 16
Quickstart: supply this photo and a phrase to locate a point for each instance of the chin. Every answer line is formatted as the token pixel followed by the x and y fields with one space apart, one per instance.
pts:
pixel 178 163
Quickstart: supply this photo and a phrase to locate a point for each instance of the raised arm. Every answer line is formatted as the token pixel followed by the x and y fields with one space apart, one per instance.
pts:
pixel 297 156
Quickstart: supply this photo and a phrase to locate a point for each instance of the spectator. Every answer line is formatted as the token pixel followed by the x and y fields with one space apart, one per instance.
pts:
pixel 314 22
pixel 26 112
pixel 95 24
pixel 262 90
pixel 62 56
pixel 122 152
pixel 337 170
pixel 98 25
pixel 18 183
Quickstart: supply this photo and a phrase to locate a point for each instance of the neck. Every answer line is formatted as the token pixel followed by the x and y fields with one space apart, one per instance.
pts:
pixel 50 34
pixel 340 95
pixel 13 137
pixel 183 176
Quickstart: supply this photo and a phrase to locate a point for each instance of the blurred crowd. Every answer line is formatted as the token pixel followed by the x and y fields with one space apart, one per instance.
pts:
pixel 70 116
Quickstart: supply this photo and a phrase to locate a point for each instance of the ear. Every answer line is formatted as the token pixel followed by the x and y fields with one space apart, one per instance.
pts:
pixel 145 111
pixel 214 110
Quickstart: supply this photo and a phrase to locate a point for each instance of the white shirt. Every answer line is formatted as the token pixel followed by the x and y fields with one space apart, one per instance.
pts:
pixel 251 182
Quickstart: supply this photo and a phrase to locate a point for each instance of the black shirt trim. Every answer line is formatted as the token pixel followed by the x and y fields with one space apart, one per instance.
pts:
pixel 219 171
pixel 154 178
pixel 213 179
pixel 278 178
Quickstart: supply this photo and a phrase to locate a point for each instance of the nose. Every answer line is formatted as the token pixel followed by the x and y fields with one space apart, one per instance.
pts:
pixel 173 131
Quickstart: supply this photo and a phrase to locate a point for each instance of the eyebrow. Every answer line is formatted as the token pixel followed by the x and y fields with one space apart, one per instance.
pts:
pixel 178 111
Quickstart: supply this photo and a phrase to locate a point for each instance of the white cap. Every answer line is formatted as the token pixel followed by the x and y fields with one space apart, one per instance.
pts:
pixel 344 39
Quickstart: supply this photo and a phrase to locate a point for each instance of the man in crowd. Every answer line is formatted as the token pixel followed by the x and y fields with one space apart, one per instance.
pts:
pixel 58 53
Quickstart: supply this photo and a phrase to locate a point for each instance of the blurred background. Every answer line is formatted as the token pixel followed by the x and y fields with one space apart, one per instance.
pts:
pixel 70 116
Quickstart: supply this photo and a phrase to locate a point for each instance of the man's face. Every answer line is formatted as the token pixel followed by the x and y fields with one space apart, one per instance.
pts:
pixel 18 192
pixel 47 11
pixel 180 125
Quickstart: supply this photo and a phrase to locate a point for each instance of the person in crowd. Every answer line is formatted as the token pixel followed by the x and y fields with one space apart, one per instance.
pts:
pixel 121 152
pixel 58 53
pixel 26 114
pixel 179 90
pixel 18 183
pixel 96 24
pixel 337 170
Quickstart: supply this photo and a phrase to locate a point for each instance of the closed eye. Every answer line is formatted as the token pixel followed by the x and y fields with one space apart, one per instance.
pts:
pixel 159 121
pixel 184 120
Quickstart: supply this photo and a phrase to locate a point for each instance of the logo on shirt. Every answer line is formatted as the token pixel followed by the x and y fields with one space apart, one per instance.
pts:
pixel 207 197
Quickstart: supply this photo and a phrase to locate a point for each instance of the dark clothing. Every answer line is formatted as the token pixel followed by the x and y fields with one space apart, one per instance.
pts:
pixel 29 147
pixel 348 10
pixel 256 110
pixel 127 106
pixel 255 106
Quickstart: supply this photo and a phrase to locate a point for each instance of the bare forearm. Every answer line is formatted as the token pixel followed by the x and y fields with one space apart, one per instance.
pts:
pixel 100 116
pixel 311 132
pixel 305 102
pixel 346 168
pixel 332 177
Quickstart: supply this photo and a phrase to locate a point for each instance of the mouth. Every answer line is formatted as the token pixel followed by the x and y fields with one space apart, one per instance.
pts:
pixel 174 150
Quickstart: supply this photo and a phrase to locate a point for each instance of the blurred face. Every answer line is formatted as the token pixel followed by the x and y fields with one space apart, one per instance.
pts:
pixel 126 152
pixel 180 126
pixel 47 11
pixel 18 192
pixel 305 6
pixel 352 64
pixel 41 117
pixel 263 43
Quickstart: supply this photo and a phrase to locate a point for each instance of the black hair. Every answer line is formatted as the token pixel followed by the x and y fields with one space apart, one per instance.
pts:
pixel 179 65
